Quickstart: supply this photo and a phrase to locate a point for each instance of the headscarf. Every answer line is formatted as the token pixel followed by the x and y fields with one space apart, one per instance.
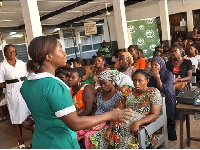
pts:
pixel 167 80
pixel 129 56
pixel 119 78
pixel 161 62
pixel 106 75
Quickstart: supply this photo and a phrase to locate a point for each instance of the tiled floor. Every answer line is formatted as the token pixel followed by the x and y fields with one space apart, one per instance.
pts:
pixel 8 137
pixel 194 132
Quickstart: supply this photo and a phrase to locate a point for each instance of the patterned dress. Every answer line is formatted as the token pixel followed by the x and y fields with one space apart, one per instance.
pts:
pixel 103 106
pixel 122 138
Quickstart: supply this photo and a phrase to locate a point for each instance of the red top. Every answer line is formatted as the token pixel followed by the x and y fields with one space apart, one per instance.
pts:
pixel 176 69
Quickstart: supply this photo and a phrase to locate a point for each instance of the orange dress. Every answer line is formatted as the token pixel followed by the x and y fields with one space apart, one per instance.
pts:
pixel 141 64
pixel 78 99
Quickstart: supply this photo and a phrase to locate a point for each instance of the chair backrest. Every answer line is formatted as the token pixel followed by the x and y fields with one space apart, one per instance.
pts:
pixel 193 80
pixel 161 122
pixel 162 118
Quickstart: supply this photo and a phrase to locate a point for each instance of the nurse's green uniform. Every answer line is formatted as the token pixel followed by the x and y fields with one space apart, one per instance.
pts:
pixel 48 99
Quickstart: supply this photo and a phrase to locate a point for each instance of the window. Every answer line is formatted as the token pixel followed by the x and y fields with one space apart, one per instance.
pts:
pixel 85 40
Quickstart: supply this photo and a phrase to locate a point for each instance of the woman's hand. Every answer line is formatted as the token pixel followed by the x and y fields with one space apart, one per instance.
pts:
pixel 135 127
pixel 155 72
pixel 121 115
pixel 108 134
pixel 178 80
pixel 123 88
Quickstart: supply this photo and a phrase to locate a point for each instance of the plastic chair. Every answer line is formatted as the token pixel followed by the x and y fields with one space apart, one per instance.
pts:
pixel 161 122
pixel 193 80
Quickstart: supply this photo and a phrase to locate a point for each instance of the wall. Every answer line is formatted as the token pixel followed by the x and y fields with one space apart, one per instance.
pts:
pixel 150 9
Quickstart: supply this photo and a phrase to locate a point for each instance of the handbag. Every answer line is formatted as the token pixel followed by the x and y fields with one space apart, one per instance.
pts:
pixel 180 85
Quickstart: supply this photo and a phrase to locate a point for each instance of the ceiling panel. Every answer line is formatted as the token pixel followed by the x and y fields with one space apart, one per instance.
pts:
pixel 53 5
pixel 11 16
pixel 52 21
pixel 13 23
pixel 11 13
pixel 10 6
pixel 67 15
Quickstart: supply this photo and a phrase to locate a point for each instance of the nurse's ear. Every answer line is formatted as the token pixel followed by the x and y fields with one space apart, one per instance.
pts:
pixel 49 57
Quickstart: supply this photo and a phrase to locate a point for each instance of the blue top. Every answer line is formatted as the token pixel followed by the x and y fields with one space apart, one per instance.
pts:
pixel 107 105
pixel 167 80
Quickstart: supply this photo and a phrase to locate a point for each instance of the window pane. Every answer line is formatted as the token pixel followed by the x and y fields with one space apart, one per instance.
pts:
pixel 69 42
pixel 85 40
pixel 96 39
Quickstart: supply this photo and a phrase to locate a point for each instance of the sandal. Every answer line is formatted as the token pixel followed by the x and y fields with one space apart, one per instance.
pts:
pixel 29 147
pixel 22 146
pixel 3 118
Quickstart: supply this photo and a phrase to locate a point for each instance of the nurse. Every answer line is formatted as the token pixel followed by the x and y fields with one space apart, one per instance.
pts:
pixel 12 74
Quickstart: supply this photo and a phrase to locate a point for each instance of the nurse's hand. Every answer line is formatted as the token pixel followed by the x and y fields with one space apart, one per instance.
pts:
pixel 121 115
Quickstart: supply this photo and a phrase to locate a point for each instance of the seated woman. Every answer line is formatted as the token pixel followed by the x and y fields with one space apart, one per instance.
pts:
pixel 139 61
pixel 195 37
pixel 88 68
pixel 180 67
pixel 63 75
pixel 119 52
pixel 145 103
pixel 83 95
pixel 122 81
pixel 125 64
pixel 163 79
pixel 99 67
pixel 191 53
pixel 86 79
pixel 106 99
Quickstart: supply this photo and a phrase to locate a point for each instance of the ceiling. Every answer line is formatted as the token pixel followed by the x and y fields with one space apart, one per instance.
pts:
pixel 57 13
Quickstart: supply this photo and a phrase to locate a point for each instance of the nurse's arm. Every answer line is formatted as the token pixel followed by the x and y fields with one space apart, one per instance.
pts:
pixel 75 122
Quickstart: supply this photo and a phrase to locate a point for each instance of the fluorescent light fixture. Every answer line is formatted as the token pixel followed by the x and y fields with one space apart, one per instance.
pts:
pixel 17 35
pixel 56 29
pixel 12 33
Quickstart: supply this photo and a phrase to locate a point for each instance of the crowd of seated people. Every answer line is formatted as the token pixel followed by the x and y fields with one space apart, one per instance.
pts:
pixel 130 81
pixel 160 74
